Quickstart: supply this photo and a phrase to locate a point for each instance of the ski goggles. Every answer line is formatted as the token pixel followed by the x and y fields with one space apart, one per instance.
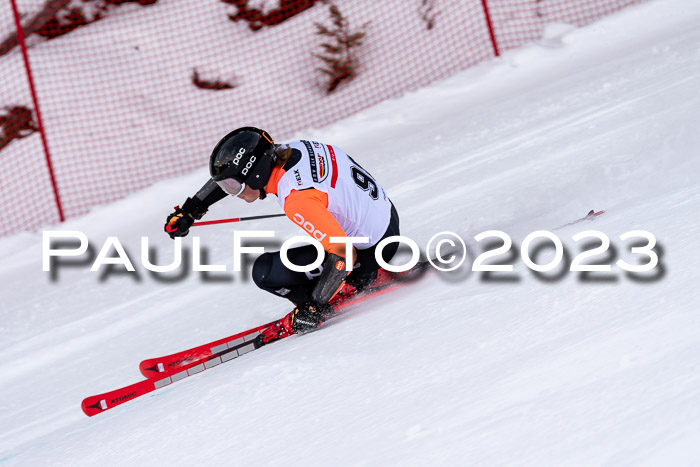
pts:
pixel 231 186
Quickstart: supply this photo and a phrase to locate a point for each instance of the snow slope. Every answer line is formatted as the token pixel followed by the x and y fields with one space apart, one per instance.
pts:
pixel 457 369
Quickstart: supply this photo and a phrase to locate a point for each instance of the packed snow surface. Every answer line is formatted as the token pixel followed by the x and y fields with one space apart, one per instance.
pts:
pixel 457 369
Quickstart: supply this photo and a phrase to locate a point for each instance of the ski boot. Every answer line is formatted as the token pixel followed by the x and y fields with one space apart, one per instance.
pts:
pixel 309 317
pixel 300 320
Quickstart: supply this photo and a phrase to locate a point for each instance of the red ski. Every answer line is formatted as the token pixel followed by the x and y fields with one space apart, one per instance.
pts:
pixel 591 216
pixel 192 361
pixel 157 367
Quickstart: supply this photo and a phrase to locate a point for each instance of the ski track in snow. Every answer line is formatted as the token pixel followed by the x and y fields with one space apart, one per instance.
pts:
pixel 453 370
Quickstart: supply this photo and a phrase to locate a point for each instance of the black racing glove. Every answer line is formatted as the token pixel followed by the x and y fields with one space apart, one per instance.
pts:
pixel 179 222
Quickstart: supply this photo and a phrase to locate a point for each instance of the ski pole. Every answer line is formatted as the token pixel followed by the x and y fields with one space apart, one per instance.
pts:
pixel 237 219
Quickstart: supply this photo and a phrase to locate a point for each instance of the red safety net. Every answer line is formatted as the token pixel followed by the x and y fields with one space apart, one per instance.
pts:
pixel 517 22
pixel 130 92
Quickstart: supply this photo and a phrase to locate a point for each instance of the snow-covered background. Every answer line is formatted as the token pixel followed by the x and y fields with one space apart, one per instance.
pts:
pixel 603 370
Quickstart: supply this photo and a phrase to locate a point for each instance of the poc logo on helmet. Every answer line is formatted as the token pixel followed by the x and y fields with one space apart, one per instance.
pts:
pixel 248 165
pixel 309 227
pixel 237 159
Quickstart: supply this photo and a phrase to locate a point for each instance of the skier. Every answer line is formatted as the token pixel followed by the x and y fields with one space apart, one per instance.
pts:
pixel 321 189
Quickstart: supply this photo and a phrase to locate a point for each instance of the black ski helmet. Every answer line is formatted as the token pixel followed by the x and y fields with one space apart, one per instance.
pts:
pixel 245 154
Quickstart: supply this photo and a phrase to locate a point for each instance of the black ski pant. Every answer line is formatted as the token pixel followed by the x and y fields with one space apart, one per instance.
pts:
pixel 271 275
